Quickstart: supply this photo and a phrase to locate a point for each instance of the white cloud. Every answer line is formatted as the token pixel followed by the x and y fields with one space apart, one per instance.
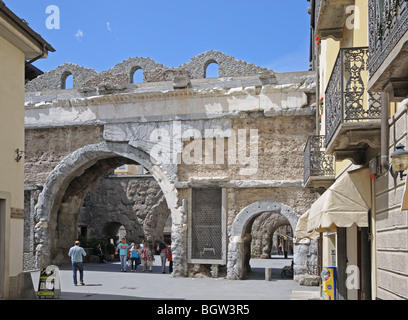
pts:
pixel 108 26
pixel 79 35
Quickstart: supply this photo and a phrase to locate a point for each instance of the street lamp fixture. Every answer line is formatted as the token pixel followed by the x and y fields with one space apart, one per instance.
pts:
pixel 399 160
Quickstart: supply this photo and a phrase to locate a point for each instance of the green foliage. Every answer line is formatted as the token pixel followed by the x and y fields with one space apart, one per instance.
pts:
pixel 110 248
pixel 93 241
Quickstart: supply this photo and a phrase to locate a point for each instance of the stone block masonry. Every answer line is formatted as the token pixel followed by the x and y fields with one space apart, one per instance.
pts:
pixel 135 202
pixel 74 138
pixel 122 73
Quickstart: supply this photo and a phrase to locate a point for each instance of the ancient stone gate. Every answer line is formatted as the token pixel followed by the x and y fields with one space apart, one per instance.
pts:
pixel 238 138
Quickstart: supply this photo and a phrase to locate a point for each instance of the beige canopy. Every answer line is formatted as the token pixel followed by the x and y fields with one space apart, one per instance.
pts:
pixel 345 203
pixel 301 228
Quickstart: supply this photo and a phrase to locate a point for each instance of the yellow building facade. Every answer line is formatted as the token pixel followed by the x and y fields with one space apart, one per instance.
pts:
pixel 360 216
pixel 348 128
pixel 18 43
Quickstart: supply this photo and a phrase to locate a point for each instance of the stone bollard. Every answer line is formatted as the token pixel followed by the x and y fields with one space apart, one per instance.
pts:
pixel 268 274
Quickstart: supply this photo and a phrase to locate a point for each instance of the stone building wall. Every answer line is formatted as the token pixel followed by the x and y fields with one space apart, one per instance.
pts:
pixel 391 226
pixel 137 203
pixel 46 147
pixel 122 73
pixel 228 66
pixel 31 193
pixel 279 151
pixel 293 195
pixel 55 80
pixel 262 232
pixel 75 137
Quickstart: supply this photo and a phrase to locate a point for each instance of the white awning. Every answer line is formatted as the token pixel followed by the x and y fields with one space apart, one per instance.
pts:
pixel 345 203
pixel 301 228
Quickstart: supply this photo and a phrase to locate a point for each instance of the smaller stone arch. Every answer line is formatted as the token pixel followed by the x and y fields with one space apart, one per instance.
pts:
pixel 237 256
pixel 133 70
pixel 228 65
pixel 134 64
pixel 207 64
pixel 55 79
pixel 111 228
pixel 64 78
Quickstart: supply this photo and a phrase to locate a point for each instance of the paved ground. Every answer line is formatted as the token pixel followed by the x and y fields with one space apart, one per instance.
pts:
pixel 106 282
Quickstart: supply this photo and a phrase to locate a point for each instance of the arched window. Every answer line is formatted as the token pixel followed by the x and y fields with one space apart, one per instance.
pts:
pixel 67 80
pixel 211 69
pixel 136 75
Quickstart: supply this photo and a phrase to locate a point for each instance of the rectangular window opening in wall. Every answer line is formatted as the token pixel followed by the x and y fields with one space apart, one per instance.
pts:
pixel 207 230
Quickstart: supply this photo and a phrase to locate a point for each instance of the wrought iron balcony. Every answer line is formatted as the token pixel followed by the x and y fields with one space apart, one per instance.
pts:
pixel 318 166
pixel 330 16
pixel 351 113
pixel 388 41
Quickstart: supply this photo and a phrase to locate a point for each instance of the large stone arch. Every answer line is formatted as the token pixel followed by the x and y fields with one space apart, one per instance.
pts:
pixel 238 257
pixel 71 179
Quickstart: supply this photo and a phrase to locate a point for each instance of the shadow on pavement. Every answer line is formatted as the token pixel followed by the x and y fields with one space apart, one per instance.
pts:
pixel 96 296
pixel 259 274
pixel 114 266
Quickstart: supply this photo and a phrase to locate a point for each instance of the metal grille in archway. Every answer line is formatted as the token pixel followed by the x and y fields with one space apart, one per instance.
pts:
pixel 206 224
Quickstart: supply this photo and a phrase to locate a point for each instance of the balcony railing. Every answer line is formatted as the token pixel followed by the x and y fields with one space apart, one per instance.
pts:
pixel 346 96
pixel 388 22
pixel 316 162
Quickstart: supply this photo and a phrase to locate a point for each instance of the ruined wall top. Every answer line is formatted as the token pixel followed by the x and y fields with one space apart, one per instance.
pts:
pixel 122 73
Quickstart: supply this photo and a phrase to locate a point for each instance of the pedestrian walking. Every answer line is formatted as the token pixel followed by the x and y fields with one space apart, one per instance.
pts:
pixel 134 256
pixel 123 249
pixel 170 258
pixel 280 249
pixel 143 256
pixel 142 244
pixel 162 249
pixel 76 252
pixel 99 252
pixel 150 259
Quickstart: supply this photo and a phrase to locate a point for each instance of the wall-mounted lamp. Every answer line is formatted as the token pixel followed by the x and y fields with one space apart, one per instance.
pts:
pixel 19 155
pixel 400 160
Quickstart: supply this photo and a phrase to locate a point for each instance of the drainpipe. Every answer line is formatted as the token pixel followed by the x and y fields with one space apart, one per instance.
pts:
pixel 385 163
pixel 42 54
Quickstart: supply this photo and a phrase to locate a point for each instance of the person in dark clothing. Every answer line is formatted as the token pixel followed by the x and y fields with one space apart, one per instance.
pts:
pixel 99 252
pixel 162 249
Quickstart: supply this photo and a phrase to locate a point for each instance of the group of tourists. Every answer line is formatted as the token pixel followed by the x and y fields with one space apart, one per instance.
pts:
pixel 133 255
pixel 129 255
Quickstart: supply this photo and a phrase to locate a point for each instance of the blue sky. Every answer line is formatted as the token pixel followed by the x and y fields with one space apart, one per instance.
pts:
pixel 101 33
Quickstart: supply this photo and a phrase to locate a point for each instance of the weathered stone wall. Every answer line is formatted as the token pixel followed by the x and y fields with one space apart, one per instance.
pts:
pixel 262 232
pixel 83 134
pixel 279 153
pixel 227 66
pixel 45 148
pixel 296 197
pixel 31 193
pixel 55 79
pixel 122 73
pixel 130 65
pixel 137 203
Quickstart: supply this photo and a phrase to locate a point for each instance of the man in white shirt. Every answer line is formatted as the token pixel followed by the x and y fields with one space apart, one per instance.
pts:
pixel 76 253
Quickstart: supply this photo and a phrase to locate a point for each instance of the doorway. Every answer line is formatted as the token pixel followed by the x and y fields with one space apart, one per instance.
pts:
pixel 4 240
